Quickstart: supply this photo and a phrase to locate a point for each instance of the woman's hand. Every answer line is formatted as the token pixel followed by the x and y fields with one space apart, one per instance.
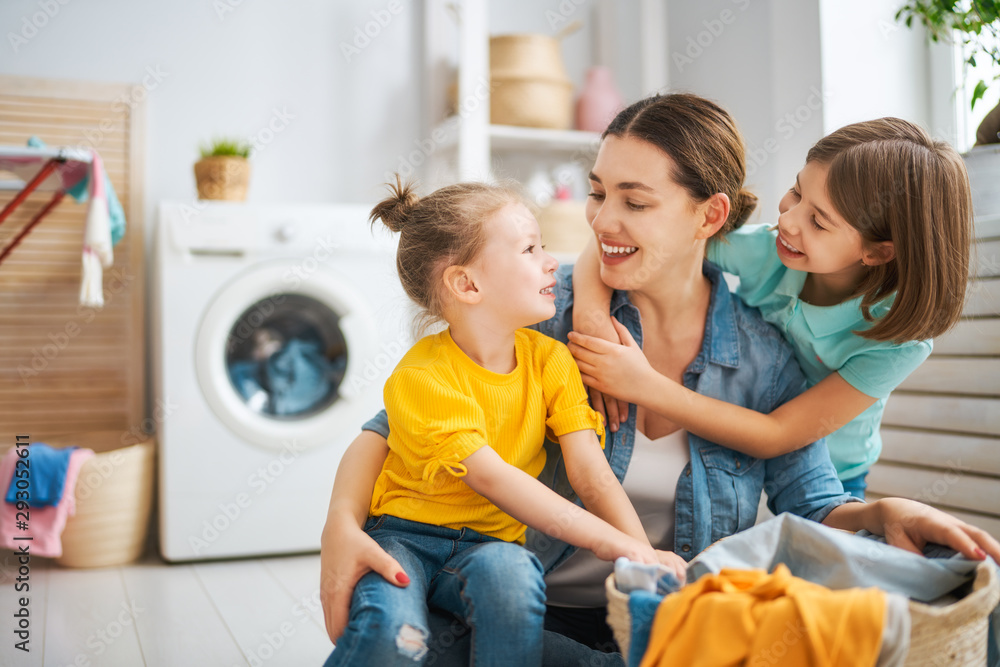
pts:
pixel 910 525
pixel 677 564
pixel 347 554
pixel 613 369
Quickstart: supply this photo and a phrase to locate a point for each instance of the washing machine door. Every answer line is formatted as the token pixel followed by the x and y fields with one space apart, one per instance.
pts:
pixel 276 364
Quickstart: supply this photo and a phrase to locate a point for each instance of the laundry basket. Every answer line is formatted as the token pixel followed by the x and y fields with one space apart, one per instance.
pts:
pixel 114 495
pixel 954 634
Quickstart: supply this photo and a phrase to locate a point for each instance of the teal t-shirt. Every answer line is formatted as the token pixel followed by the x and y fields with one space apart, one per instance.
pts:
pixel 823 339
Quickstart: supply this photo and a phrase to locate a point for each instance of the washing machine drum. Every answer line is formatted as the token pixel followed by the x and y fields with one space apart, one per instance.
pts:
pixel 272 364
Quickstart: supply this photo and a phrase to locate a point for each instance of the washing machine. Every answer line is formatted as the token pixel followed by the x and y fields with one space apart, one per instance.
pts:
pixel 274 330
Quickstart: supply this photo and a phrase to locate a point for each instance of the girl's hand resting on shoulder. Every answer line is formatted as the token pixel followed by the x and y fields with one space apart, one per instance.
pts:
pixel 613 369
pixel 614 410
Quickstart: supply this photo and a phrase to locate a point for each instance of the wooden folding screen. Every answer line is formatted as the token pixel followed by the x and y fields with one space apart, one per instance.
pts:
pixel 67 369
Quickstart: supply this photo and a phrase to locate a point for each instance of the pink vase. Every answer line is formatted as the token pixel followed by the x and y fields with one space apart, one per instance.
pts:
pixel 599 100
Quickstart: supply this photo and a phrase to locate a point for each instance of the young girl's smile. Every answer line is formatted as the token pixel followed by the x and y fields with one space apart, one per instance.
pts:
pixel 515 272
pixel 812 236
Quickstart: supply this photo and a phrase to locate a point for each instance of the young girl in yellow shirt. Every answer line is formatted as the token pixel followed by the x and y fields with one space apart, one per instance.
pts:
pixel 468 410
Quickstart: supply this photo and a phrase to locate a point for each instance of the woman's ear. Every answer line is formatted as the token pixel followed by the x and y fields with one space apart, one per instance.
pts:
pixel 716 212
pixel 876 254
pixel 461 284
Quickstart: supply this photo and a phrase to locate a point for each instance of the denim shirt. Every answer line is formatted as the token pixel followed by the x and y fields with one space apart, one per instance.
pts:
pixel 743 360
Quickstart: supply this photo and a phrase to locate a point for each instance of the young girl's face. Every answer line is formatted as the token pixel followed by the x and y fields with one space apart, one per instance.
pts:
pixel 812 236
pixel 644 221
pixel 514 273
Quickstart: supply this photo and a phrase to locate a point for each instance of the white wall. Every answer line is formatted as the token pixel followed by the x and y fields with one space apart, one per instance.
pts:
pixel 233 72
pixel 228 65
pixel 872 65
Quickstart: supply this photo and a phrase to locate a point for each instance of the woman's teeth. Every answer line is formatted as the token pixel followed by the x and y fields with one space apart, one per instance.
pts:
pixel 618 250
pixel 545 290
pixel 791 248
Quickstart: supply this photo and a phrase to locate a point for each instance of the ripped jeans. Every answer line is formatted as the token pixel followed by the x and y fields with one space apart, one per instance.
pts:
pixel 494 587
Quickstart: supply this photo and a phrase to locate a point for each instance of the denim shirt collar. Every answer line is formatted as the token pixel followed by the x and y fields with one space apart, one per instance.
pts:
pixel 721 345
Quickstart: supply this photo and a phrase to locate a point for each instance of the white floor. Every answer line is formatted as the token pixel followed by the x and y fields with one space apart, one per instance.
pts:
pixel 256 613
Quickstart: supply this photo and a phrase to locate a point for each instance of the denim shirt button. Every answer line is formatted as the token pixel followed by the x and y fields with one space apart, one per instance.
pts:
pixel 737 463
pixel 686 548
pixel 687 470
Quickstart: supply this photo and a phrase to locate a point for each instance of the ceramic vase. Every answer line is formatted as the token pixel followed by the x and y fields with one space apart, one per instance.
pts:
pixel 599 100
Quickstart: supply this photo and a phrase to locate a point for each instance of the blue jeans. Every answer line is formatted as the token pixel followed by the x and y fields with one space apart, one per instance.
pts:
pixel 494 587
pixel 856 486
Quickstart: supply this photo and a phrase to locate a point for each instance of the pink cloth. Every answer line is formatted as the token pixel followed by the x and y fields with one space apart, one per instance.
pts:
pixel 45 524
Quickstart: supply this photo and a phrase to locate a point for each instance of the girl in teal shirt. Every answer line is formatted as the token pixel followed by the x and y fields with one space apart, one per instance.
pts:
pixel 868 262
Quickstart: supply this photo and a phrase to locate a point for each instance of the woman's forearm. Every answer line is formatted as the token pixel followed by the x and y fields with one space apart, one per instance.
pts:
pixel 355 479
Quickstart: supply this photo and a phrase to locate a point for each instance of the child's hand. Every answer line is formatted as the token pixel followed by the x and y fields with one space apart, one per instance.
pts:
pixel 613 369
pixel 614 411
pixel 677 564
pixel 629 547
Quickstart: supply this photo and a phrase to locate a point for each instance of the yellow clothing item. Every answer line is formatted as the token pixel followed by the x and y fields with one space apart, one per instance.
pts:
pixel 442 407
pixel 752 618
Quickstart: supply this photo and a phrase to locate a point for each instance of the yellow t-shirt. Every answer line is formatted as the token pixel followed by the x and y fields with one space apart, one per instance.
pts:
pixel 442 407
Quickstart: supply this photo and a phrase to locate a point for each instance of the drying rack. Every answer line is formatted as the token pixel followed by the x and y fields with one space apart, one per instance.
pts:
pixel 42 169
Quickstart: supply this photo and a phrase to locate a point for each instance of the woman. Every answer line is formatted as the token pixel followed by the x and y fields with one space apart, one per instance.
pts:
pixel 667 178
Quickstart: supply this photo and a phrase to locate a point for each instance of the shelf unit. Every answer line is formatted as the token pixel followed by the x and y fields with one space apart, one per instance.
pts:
pixel 466 144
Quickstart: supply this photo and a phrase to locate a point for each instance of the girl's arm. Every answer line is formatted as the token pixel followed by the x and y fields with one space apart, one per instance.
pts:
pixel 529 501
pixel 910 525
pixel 593 480
pixel 591 305
pixel 623 370
pixel 347 552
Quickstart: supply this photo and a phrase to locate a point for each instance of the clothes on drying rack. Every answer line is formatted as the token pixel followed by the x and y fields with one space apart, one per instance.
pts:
pixel 104 227
pixel 47 468
pixel 44 525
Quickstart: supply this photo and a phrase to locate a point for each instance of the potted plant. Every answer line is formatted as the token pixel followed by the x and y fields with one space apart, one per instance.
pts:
pixel 976 23
pixel 223 171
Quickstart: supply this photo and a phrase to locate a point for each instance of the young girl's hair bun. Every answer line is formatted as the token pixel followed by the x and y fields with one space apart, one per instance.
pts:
pixel 741 207
pixel 395 210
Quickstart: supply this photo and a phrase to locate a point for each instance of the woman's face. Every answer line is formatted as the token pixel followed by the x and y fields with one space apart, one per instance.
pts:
pixel 645 223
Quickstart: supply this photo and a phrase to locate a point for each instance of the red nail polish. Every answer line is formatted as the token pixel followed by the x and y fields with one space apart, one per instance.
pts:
pixel 402 578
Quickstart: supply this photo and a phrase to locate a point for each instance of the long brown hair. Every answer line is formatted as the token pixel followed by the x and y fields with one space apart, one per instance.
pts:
pixel 701 139
pixel 443 229
pixel 892 181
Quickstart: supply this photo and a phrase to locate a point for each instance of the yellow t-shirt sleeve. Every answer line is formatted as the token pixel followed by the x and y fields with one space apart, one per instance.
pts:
pixel 567 407
pixel 432 426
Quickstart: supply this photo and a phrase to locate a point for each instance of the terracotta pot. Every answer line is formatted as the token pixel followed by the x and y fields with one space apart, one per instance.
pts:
pixel 599 101
pixel 222 177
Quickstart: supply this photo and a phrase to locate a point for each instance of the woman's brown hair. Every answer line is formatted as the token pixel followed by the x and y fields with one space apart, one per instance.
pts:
pixel 445 228
pixel 703 142
pixel 892 182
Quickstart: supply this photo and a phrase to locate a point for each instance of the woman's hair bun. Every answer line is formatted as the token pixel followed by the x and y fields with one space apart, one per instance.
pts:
pixel 395 210
pixel 741 208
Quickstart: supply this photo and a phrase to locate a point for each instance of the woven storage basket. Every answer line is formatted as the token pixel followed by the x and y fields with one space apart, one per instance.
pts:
pixel 954 634
pixel 529 85
pixel 222 177
pixel 114 495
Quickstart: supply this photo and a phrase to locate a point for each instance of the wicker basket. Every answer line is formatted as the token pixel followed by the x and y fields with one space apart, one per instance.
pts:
pixel 114 495
pixel 529 86
pixel 954 634
pixel 222 177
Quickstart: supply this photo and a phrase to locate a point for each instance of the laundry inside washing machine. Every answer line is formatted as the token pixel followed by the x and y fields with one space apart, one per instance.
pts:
pixel 286 356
